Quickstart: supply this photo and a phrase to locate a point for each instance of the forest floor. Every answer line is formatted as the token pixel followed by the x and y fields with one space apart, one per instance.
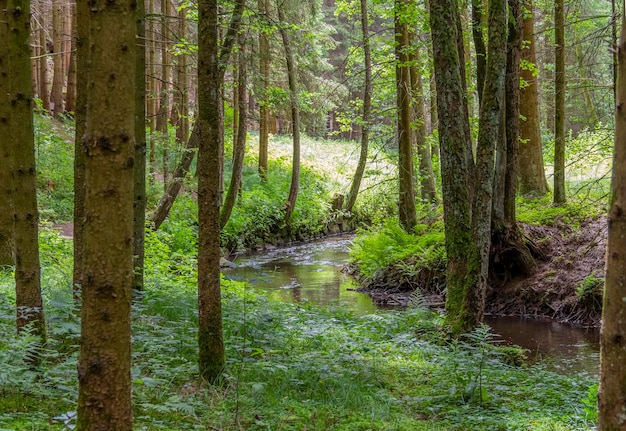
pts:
pixel 566 285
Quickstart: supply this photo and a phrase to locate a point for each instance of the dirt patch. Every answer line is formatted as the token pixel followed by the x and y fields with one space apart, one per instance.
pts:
pixel 572 259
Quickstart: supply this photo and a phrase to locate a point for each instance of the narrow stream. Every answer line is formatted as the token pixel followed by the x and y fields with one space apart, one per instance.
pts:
pixel 312 272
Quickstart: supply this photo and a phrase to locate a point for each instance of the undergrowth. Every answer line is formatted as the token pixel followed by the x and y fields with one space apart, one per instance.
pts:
pixel 289 367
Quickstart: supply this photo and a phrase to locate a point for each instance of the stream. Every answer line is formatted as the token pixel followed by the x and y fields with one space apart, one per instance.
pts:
pixel 312 272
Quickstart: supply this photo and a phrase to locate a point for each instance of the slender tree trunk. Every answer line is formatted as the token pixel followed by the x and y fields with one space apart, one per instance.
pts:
pixel 139 169
pixel 28 299
pixel 559 102
pixel 82 75
pixel 43 92
pixel 211 66
pixel 367 109
pixel 164 99
pixel 612 390
pixel 479 46
pixel 182 131
pixel 152 87
pixel 531 168
pixel 58 79
pixel 6 181
pixel 173 188
pixel 70 95
pixel 264 70
pixel 295 117
pixel 428 191
pixel 104 395
pixel 406 199
pixel 239 147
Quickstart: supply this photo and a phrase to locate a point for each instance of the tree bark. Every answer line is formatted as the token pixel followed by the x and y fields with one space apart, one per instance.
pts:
pixel 264 70
pixel 532 178
pixel 479 46
pixel 239 147
pixel 139 169
pixel 295 117
pixel 104 398
pixel 367 109
pixel 455 145
pixel 6 186
pixel 58 79
pixel 43 91
pixel 559 102
pixel 612 389
pixel 70 95
pixel 406 198
pixel 28 299
pixel 212 63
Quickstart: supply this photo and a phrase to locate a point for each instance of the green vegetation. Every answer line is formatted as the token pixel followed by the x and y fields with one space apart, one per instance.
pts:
pixel 290 367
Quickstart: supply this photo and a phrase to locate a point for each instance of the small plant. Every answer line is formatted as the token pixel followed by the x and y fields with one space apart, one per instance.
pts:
pixel 589 292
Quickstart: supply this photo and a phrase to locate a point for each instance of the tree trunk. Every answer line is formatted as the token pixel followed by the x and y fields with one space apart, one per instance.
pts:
pixel 428 191
pixel 70 95
pixel 531 168
pixel 82 76
pixel 612 390
pixel 163 115
pixel 264 70
pixel 176 183
pixel 211 66
pixel 182 130
pixel 367 109
pixel 559 102
pixel 28 299
pixel 239 147
pixel 104 396
pixel 295 117
pixel 455 145
pixel 6 186
pixel 58 79
pixel 479 46
pixel 139 169
pixel 406 198
pixel 43 92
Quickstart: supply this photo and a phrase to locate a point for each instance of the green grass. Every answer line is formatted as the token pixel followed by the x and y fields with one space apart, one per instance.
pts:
pixel 290 367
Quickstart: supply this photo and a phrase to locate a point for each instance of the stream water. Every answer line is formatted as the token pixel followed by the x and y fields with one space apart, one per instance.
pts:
pixel 312 272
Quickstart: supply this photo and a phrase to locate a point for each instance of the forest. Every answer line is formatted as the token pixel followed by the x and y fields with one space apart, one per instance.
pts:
pixel 314 215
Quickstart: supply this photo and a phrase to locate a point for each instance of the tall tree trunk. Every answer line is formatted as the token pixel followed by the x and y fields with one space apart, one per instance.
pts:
pixel 211 66
pixel 479 46
pixel 264 70
pixel 428 191
pixel 406 199
pixel 182 131
pixel 164 98
pixel 58 79
pixel 612 390
pixel 295 117
pixel 559 102
pixel 151 87
pixel 239 147
pixel 367 109
pixel 70 95
pixel 139 168
pixel 43 91
pixel 531 168
pixel 104 384
pixel 456 152
pixel 6 186
pixel 82 76
pixel 28 299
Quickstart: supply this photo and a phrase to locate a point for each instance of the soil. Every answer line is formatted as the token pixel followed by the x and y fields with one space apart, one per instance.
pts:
pixel 564 285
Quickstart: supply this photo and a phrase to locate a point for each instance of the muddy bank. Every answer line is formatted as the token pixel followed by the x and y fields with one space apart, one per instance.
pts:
pixel 566 285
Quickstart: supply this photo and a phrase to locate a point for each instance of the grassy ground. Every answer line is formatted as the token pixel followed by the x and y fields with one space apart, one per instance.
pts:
pixel 290 367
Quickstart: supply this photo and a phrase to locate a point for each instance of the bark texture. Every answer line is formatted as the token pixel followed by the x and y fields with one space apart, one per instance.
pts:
pixel 406 198
pixel 264 70
pixel 532 173
pixel 612 390
pixel 367 110
pixel 104 399
pixel 559 102
pixel 24 175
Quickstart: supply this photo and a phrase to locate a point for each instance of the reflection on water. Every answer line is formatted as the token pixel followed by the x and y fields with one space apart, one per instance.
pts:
pixel 312 272
pixel 304 272
pixel 564 348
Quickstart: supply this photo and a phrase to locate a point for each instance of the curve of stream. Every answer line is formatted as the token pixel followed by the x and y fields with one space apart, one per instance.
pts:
pixel 312 272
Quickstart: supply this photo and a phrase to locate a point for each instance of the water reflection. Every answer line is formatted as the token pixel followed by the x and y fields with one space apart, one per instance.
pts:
pixel 304 272
pixel 564 348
